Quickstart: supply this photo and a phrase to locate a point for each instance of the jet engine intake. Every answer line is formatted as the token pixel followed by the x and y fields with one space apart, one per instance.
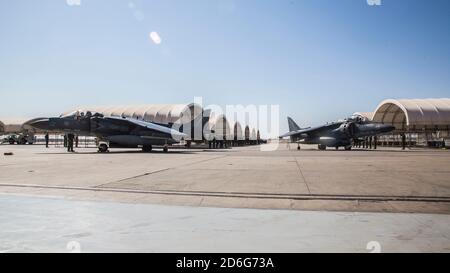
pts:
pixel 349 128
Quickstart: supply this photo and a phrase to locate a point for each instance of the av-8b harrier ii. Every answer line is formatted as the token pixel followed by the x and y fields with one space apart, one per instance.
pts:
pixel 336 134
pixel 112 131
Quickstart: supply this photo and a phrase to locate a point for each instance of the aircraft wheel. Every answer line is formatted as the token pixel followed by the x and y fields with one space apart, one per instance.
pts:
pixel 298 147
pixel 147 148
pixel 337 148
pixel 348 148
pixel 103 148
pixel 11 141
pixel 165 149
pixel 322 147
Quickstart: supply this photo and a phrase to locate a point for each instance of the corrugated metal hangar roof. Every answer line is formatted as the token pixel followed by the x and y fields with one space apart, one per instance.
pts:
pixel 158 113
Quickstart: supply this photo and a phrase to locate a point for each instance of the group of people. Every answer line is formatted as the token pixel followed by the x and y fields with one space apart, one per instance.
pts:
pixel 69 141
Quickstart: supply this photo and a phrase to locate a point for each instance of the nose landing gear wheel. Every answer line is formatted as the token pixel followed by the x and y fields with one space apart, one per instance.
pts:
pixel 298 147
pixel 322 147
pixel 147 148
pixel 165 148
pixel 102 148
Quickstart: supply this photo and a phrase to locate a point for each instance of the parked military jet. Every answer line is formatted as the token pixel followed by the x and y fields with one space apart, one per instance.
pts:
pixel 112 131
pixel 336 134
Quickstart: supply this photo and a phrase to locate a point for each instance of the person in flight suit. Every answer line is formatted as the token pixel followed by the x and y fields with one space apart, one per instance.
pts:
pixel 70 139
pixel 47 138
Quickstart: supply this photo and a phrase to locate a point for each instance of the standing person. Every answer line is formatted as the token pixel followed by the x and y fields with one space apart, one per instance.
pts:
pixel 403 141
pixel 70 138
pixel 47 138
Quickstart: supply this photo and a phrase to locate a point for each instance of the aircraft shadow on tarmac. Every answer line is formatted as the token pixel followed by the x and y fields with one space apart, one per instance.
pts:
pixel 119 152
pixel 216 150
pixel 360 150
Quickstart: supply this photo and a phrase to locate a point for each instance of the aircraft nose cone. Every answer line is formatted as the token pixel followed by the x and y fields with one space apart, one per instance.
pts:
pixel 41 124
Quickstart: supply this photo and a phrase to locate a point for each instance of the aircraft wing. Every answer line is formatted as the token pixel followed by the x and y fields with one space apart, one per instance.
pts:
pixel 311 131
pixel 150 125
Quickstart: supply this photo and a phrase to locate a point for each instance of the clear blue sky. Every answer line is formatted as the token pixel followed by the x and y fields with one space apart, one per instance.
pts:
pixel 320 60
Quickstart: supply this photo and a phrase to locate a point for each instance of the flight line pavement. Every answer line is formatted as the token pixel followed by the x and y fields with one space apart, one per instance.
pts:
pixel 42 224
pixel 385 180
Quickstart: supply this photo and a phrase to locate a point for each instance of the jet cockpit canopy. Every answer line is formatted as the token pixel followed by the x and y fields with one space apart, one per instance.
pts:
pixel 357 119
pixel 79 114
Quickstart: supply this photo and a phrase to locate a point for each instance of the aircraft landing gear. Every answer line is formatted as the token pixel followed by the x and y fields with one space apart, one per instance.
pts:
pixel 103 148
pixel 165 148
pixel 147 148
pixel 322 147
pixel 337 148
pixel 298 147
pixel 348 148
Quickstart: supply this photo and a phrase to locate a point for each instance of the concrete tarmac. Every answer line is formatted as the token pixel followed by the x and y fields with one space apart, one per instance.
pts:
pixel 385 180
pixel 37 224
pixel 233 200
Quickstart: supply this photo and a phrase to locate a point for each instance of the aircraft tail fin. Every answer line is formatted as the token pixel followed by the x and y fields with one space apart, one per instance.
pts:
pixel 292 125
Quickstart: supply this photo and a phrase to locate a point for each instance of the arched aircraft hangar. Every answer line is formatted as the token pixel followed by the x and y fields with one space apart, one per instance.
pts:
pixel 157 113
pixel 253 136
pixel 219 128
pixel 247 134
pixel 217 131
pixel 238 136
pixel 417 121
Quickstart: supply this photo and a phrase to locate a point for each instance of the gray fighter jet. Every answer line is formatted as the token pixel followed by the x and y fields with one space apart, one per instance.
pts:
pixel 112 131
pixel 336 134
